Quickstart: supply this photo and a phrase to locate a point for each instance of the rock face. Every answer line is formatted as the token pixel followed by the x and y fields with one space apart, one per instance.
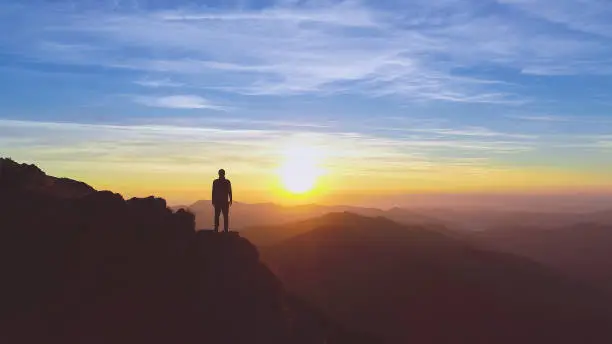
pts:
pixel 14 176
pixel 81 266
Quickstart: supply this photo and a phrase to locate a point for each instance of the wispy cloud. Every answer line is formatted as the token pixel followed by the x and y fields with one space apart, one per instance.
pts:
pixel 344 47
pixel 343 13
pixel 588 16
pixel 422 50
pixel 178 102
pixel 461 131
pixel 158 83
pixel 148 154
pixel 147 143
pixel 541 118
pixel 382 87
pixel 603 120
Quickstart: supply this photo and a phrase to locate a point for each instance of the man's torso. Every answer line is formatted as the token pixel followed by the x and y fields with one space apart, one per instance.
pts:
pixel 221 190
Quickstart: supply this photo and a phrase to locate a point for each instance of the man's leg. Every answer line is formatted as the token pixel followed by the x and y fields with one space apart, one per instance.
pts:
pixel 217 213
pixel 226 217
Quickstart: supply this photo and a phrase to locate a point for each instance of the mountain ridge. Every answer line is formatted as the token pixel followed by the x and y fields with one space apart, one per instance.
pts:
pixel 86 266
pixel 580 250
pixel 248 215
pixel 408 282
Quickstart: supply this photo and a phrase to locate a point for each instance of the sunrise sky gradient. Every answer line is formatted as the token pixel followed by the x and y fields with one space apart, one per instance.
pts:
pixel 395 97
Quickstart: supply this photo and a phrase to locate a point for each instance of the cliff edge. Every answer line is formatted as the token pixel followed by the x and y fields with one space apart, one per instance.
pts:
pixel 87 266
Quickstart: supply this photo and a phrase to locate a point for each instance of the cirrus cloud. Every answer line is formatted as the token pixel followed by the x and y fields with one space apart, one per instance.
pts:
pixel 178 102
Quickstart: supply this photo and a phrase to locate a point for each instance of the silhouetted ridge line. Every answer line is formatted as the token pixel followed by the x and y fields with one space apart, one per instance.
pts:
pixel 29 178
pixel 247 216
pixel 82 266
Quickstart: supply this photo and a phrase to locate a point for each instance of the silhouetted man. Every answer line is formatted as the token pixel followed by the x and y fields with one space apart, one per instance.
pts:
pixel 222 199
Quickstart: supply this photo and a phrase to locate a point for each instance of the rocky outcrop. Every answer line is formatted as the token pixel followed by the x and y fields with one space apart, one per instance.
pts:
pixel 81 266
pixel 24 177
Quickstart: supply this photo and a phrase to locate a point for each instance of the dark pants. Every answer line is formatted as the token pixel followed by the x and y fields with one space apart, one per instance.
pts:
pixel 222 208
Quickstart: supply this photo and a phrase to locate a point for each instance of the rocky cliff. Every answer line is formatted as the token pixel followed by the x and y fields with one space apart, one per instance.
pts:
pixel 83 266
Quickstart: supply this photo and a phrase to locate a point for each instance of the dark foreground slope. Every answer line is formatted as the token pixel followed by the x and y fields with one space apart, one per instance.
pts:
pixel 415 285
pixel 80 266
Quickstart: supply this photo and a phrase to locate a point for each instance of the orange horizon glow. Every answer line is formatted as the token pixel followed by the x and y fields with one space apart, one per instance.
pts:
pixel 335 186
pixel 305 169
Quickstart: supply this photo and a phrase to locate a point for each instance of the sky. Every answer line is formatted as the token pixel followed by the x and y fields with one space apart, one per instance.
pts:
pixel 385 97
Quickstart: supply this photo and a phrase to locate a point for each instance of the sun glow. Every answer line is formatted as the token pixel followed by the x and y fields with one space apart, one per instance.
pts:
pixel 300 169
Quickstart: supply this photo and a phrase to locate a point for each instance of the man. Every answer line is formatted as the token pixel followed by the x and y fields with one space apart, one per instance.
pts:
pixel 222 199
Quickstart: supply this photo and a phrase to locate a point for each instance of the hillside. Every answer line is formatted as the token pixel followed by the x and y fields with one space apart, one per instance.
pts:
pixel 264 236
pixel 413 284
pixel 480 219
pixel 582 251
pixel 82 266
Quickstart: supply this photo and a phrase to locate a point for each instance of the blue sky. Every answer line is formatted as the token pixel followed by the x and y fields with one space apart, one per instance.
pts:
pixel 411 86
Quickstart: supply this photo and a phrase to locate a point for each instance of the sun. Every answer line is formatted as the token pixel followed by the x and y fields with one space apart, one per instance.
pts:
pixel 297 177
pixel 300 169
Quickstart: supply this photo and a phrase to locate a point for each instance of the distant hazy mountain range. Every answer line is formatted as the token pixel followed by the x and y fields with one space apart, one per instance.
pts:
pixel 582 251
pixel 413 284
pixel 245 215
pixel 249 215
pixel 485 219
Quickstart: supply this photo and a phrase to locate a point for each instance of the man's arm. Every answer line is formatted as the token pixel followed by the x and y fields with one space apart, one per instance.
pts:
pixel 212 196
pixel 231 199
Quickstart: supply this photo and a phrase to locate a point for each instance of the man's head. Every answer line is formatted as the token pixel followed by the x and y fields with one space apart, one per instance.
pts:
pixel 222 173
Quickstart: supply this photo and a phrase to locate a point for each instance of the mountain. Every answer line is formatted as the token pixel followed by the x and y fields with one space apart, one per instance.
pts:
pixel 600 217
pixel 581 251
pixel 263 236
pixel 265 215
pixel 30 179
pixel 477 219
pixel 410 284
pixel 86 266
pixel 245 215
